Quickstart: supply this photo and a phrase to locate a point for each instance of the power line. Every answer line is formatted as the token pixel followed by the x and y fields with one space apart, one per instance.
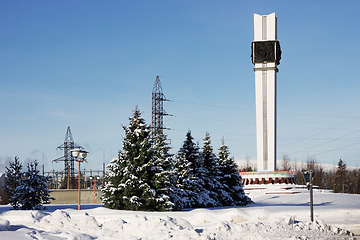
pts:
pixel 316 115
pixel 304 127
pixel 308 137
pixel 218 120
pixel 99 148
pixel 332 150
pixel 217 106
pixel 104 134
pixel 279 125
pixel 246 135
pixel 253 110
pixel 202 83
pixel 320 132
pixel 328 142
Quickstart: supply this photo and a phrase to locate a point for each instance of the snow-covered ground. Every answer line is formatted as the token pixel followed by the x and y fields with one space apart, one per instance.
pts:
pixel 273 216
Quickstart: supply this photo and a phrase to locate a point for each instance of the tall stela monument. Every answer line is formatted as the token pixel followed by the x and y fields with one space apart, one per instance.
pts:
pixel 266 56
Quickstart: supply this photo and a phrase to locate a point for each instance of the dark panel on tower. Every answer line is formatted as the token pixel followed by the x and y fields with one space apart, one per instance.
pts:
pixel 266 52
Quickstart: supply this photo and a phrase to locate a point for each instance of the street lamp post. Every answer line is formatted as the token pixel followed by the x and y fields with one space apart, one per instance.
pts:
pixel 308 177
pixel 76 153
pixel 95 179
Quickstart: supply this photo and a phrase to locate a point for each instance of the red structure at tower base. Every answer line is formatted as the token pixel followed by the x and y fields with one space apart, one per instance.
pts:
pixel 267 177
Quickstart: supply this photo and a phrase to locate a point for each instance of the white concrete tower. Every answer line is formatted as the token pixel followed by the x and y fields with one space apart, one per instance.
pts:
pixel 266 56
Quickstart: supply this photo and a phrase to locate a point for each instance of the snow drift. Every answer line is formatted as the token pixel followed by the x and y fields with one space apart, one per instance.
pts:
pixel 273 216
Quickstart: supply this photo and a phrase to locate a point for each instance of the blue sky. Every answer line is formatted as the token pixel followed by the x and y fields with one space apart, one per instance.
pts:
pixel 87 64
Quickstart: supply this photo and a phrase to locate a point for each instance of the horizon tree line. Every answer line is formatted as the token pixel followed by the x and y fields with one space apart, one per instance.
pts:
pixel 340 179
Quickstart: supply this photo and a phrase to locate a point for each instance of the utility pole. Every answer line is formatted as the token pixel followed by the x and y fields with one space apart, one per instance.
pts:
pixel 68 177
pixel 103 176
pixel 334 179
pixel 311 200
pixel 308 177
pixel 343 181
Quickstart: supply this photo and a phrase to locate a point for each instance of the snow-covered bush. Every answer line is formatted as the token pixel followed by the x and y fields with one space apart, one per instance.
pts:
pixel 13 176
pixel 32 191
pixel 26 190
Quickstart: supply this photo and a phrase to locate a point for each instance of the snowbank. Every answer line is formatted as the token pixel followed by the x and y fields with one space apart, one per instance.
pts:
pixel 284 216
pixel 4 225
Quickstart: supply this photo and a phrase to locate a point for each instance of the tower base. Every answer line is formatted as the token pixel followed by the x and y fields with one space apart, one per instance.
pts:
pixel 267 177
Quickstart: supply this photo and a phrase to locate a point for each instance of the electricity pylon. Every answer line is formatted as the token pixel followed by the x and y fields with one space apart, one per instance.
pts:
pixel 158 111
pixel 68 159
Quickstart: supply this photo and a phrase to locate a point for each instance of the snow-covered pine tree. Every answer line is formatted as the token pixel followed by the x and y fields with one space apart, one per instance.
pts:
pixel 186 178
pixel 183 181
pixel 179 190
pixel 212 174
pixel 132 177
pixel 163 161
pixel 197 194
pixel 231 180
pixel 340 177
pixel 32 191
pixel 13 178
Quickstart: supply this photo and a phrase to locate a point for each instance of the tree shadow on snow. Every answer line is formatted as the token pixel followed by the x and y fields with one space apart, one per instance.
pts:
pixel 54 207
pixel 17 227
pixel 269 204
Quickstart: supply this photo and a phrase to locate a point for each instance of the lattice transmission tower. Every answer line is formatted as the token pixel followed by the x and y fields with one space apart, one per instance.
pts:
pixel 68 159
pixel 158 111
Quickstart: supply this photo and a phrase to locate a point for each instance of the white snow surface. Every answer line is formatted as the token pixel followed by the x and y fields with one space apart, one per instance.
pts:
pixel 273 216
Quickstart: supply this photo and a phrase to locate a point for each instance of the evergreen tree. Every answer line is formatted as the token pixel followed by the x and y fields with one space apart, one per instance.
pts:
pixel 197 194
pixel 351 181
pixel 230 180
pixel 211 173
pixel 340 177
pixel 181 182
pixel 32 191
pixel 133 176
pixel 163 163
pixel 180 193
pixel 13 176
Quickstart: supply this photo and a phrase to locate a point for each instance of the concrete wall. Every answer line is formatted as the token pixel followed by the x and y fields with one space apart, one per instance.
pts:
pixel 62 196
pixel 71 196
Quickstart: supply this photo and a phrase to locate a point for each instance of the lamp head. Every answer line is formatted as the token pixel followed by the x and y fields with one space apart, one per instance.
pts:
pixel 83 154
pixel 75 152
